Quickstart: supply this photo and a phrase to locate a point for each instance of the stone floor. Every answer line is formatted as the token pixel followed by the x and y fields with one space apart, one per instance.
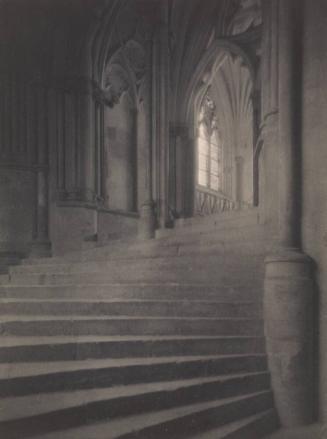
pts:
pixel 314 432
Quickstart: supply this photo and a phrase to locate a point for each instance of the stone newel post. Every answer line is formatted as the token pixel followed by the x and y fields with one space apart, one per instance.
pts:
pixel 288 289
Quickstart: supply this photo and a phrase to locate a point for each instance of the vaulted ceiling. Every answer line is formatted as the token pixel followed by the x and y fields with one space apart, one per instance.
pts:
pixel 46 38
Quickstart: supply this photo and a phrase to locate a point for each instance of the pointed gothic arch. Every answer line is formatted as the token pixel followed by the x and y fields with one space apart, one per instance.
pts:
pixel 228 74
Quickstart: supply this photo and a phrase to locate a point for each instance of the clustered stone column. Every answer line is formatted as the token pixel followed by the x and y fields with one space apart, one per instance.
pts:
pixel 160 109
pixel 288 289
pixel 40 245
pixel 147 222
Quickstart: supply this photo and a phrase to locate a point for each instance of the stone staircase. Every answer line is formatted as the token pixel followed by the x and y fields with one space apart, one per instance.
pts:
pixel 157 339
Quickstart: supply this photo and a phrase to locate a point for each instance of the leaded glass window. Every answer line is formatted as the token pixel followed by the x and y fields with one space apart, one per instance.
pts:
pixel 209 147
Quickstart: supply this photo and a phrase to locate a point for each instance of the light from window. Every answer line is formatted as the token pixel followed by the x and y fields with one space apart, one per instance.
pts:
pixel 209 147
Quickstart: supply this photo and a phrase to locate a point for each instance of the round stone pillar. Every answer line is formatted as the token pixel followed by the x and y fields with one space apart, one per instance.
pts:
pixel 288 311
pixel 288 287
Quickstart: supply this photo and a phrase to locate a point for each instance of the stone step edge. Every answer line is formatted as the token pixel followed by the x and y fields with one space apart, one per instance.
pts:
pixel 187 301
pixel 51 402
pixel 115 428
pixel 181 250
pixel 98 278
pixel 10 371
pixel 153 419
pixel 249 292
pixel 102 268
pixel 6 318
pixel 140 284
pixel 36 340
pixel 225 431
pixel 228 261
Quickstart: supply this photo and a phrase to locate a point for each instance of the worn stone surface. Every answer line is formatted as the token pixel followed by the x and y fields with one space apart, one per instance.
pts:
pixel 153 363
pixel 288 317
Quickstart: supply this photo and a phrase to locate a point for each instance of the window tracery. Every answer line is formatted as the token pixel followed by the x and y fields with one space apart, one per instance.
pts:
pixel 209 147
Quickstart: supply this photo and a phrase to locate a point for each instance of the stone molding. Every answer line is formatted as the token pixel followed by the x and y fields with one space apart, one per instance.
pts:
pixel 79 195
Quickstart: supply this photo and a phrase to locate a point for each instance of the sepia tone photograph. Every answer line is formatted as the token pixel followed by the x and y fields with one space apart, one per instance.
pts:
pixel 163 219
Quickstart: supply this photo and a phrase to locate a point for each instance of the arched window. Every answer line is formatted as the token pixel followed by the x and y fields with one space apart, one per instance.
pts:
pixel 209 147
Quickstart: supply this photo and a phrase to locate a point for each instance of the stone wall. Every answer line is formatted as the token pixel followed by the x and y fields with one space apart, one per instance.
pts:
pixel 24 161
pixel 17 213
pixel 120 156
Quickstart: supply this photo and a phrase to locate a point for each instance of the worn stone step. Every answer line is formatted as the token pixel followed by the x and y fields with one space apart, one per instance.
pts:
pixel 208 246
pixel 135 250
pixel 175 263
pixel 122 325
pixel 253 427
pixel 145 291
pixel 125 400
pixel 250 239
pixel 188 274
pixel 231 218
pixel 27 378
pixel 178 423
pixel 176 246
pixel 229 234
pixel 172 308
pixel 205 246
pixel 41 348
pixel 178 265
pixel 49 412
pixel 230 230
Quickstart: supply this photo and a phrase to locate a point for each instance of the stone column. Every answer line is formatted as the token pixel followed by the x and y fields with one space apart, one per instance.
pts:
pixel 86 140
pixel 160 125
pixel 178 170
pixel 41 246
pixel 239 181
pixel 147 222
pixel 288 288
pixel 268 160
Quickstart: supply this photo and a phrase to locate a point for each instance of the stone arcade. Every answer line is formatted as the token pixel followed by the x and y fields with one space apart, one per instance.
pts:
pixel 163 240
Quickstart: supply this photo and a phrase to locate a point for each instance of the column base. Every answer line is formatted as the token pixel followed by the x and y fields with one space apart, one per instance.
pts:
pixel 147 222
pixel 288 317
pixel 40 249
